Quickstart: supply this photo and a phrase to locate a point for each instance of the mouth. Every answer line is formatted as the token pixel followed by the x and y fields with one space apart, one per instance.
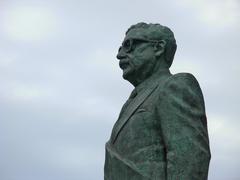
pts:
pixel 123 64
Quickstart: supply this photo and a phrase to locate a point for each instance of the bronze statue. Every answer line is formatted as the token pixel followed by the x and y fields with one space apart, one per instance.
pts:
pixel 161 132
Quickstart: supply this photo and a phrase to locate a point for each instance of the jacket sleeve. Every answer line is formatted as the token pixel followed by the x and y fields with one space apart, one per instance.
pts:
pixel 184 128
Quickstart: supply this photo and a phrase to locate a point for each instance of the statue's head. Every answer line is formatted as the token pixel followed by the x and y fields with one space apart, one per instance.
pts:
pixel 146 49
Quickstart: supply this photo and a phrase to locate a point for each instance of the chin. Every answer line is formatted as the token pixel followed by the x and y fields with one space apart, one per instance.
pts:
pixel 125 76
pixel 129 78
pixel 127 73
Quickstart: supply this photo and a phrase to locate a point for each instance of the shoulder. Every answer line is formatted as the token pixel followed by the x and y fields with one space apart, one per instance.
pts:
pixel 183 85
pixel 183 91
pixel 182 81
pixel 182 77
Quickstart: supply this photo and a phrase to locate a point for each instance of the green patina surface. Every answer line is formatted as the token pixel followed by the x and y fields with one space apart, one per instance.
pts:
pixel 161 132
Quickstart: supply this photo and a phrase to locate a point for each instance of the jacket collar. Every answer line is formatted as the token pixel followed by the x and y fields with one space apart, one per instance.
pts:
pixel 152 80
pixel 145 89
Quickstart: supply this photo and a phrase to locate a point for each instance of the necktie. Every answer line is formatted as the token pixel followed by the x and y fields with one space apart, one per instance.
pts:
pixel 133 94
pixel 131 97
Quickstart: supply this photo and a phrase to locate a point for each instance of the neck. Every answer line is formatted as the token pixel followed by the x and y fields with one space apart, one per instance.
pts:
pixel 137 81
pixel 154 67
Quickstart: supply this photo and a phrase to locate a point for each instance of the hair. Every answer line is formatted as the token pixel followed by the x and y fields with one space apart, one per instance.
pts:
pixel 159 32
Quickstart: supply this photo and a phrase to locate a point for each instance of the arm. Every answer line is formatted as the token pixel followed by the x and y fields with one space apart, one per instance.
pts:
pixel 184 129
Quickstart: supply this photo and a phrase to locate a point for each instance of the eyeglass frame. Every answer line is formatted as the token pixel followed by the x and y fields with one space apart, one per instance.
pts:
pixel 127 50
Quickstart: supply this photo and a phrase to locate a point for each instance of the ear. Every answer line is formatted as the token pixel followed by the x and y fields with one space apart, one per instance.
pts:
pixel 159 48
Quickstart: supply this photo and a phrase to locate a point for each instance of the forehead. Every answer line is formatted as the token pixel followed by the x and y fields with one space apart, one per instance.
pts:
pixel 138 33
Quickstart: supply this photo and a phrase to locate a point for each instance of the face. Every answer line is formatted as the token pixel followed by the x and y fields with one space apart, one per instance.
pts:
pixel 137 59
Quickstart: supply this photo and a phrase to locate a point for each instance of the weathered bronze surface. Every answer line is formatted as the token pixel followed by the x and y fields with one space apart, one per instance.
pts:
pixel 161 132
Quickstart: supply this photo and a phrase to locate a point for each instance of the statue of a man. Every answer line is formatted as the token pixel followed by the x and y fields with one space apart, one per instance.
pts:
pixel 161 132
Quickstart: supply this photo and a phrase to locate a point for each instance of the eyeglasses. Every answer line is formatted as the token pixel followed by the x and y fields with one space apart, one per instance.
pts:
pixel 128 44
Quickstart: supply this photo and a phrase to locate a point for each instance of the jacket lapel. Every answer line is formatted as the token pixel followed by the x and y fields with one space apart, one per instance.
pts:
pixel 133 106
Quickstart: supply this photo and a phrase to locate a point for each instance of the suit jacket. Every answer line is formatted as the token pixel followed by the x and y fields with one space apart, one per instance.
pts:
pixel 162 133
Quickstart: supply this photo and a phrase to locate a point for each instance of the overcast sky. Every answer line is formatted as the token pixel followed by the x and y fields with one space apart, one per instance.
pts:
pixel 61 88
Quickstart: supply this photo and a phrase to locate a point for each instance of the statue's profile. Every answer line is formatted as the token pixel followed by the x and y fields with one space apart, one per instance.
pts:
pixel 161 132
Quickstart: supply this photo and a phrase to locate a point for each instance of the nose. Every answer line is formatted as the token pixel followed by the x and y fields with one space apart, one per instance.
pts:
pixel 121 54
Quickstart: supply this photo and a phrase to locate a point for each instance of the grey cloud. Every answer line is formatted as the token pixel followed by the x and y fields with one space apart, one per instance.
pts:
pixel 58 131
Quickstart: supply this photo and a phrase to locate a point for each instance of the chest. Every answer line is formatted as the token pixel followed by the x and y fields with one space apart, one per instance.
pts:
pixel 143 127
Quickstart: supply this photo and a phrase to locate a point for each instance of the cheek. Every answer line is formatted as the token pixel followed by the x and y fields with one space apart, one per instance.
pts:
pixel 144 55
pixel 136 61
pixel 144 60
